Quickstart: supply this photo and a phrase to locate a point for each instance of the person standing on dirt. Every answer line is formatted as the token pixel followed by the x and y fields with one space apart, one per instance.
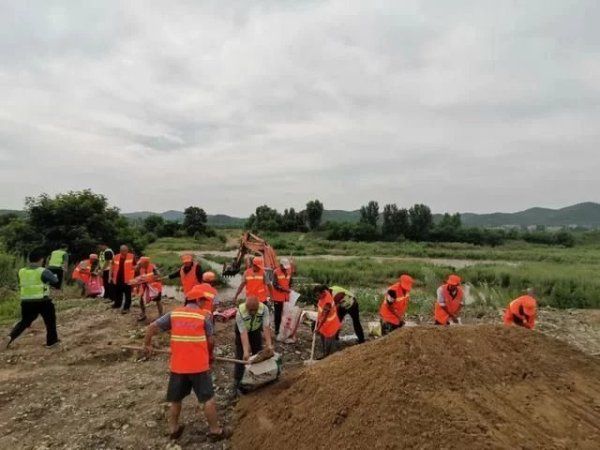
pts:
pixel 122 272
pixel 281 289
pixel 328 323
pixel 394 304
pixel 449 301
pixel 346 303
pixel 58 264
pixel 34 286
pixel 522 311
pixel 251 327
pixel 190 273
pixel 209 279
pixel 191 358
pixel 149 288
pixel 254 282
pixel 84 271
pixel 105 261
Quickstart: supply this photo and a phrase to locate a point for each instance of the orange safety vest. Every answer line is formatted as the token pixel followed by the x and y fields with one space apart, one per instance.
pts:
pixel 82 271
pixel 129 271
pixel 284 279
pixel 331 323
pixel 149 271
pixel 210 293
pixel 453 305
pixel 189 279
pixel 255 285
pixel 514 310
pixel 189 345
pixel 399 306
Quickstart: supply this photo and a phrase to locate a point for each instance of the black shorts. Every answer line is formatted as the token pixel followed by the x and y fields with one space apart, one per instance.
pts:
pixel 181 385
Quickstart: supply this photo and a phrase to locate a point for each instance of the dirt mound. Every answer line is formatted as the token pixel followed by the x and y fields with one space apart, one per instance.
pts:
pixel 463 387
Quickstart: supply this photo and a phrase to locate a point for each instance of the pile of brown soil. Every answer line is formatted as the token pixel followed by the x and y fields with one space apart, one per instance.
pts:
pixel 462 387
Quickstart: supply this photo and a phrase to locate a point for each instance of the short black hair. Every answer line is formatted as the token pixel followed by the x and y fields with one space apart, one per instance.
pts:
pixel 320 288
pixel 36 254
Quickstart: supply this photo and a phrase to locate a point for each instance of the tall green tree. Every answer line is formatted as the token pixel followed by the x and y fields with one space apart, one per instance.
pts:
pixel 265 218
pixel 314 214
pixel 395 222
pixel 369 214
pixel 421 222
pixel 78 219
pixel 194 221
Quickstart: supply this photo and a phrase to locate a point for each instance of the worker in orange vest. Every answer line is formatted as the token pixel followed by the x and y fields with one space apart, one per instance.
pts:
pixel 191 359
pixel 522 311
pixel 328 323
pixel 122 272
pixel 282 285
pixel 394 305
pixel 85 270
pixel 210 302
pixel 149 287
pixel 449 301
pixel 255 282
pixel 190 273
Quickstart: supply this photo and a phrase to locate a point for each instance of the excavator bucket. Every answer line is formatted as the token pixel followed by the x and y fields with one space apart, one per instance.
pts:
pixel 231 269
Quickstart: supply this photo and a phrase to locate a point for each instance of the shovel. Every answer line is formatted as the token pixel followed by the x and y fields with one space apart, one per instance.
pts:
pixel 217 358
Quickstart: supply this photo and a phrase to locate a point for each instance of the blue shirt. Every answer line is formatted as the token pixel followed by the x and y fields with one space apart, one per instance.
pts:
pixel 164 322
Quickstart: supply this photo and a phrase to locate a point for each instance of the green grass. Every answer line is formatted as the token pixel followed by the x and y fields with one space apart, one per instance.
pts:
pixel 180 244
pixel 557 285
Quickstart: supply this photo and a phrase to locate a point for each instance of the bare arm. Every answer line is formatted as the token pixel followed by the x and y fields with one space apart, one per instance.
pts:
pixel 240 289
pixel 245 345
pixel 151 331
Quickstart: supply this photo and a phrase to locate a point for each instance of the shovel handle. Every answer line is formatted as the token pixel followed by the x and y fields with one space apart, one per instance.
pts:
pixel 168 352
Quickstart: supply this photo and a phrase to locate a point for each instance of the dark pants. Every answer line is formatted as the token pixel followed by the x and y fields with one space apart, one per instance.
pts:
pixel 278 309
pixel 119 291
pixel 256 345
pixel 107 285
pixel 29 312
pixel 387 328
pixel 60 273
pixel 329 345
pixel 355 314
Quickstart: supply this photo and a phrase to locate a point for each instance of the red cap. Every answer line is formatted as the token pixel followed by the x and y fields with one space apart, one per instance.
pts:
pixel 453 280
pixel 196 293
pixel 406 282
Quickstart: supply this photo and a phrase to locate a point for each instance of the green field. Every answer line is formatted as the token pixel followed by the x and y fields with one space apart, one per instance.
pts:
pixel 562 277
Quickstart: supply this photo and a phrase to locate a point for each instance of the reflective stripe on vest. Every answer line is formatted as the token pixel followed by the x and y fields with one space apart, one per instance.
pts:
pixel 255 285
pixel 31 285
pixel 252 323
pixel 128 271
pixel 189 344
pixel 57 258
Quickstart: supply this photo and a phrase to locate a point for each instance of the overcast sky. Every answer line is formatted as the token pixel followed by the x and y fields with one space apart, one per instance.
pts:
pixel 462 105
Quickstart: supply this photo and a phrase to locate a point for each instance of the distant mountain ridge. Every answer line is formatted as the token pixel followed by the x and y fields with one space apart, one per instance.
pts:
pixel 585 215
pixel 580 215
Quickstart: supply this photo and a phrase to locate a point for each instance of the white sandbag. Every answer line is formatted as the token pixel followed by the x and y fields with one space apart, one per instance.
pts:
pixel 294 296
pixel 290 319
pixel 257 375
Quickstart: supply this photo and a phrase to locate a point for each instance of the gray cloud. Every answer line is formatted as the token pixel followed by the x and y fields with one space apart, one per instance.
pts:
pixel 471 105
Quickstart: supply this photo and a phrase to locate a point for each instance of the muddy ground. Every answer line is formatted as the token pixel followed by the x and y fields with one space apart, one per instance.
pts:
pixel 89 393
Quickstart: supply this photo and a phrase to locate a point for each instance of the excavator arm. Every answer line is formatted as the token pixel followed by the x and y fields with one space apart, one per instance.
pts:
pixel 250 244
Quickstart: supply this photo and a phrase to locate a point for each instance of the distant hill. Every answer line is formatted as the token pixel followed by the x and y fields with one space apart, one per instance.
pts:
pixel 217 220
pixel 581 215
pixel 585 215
